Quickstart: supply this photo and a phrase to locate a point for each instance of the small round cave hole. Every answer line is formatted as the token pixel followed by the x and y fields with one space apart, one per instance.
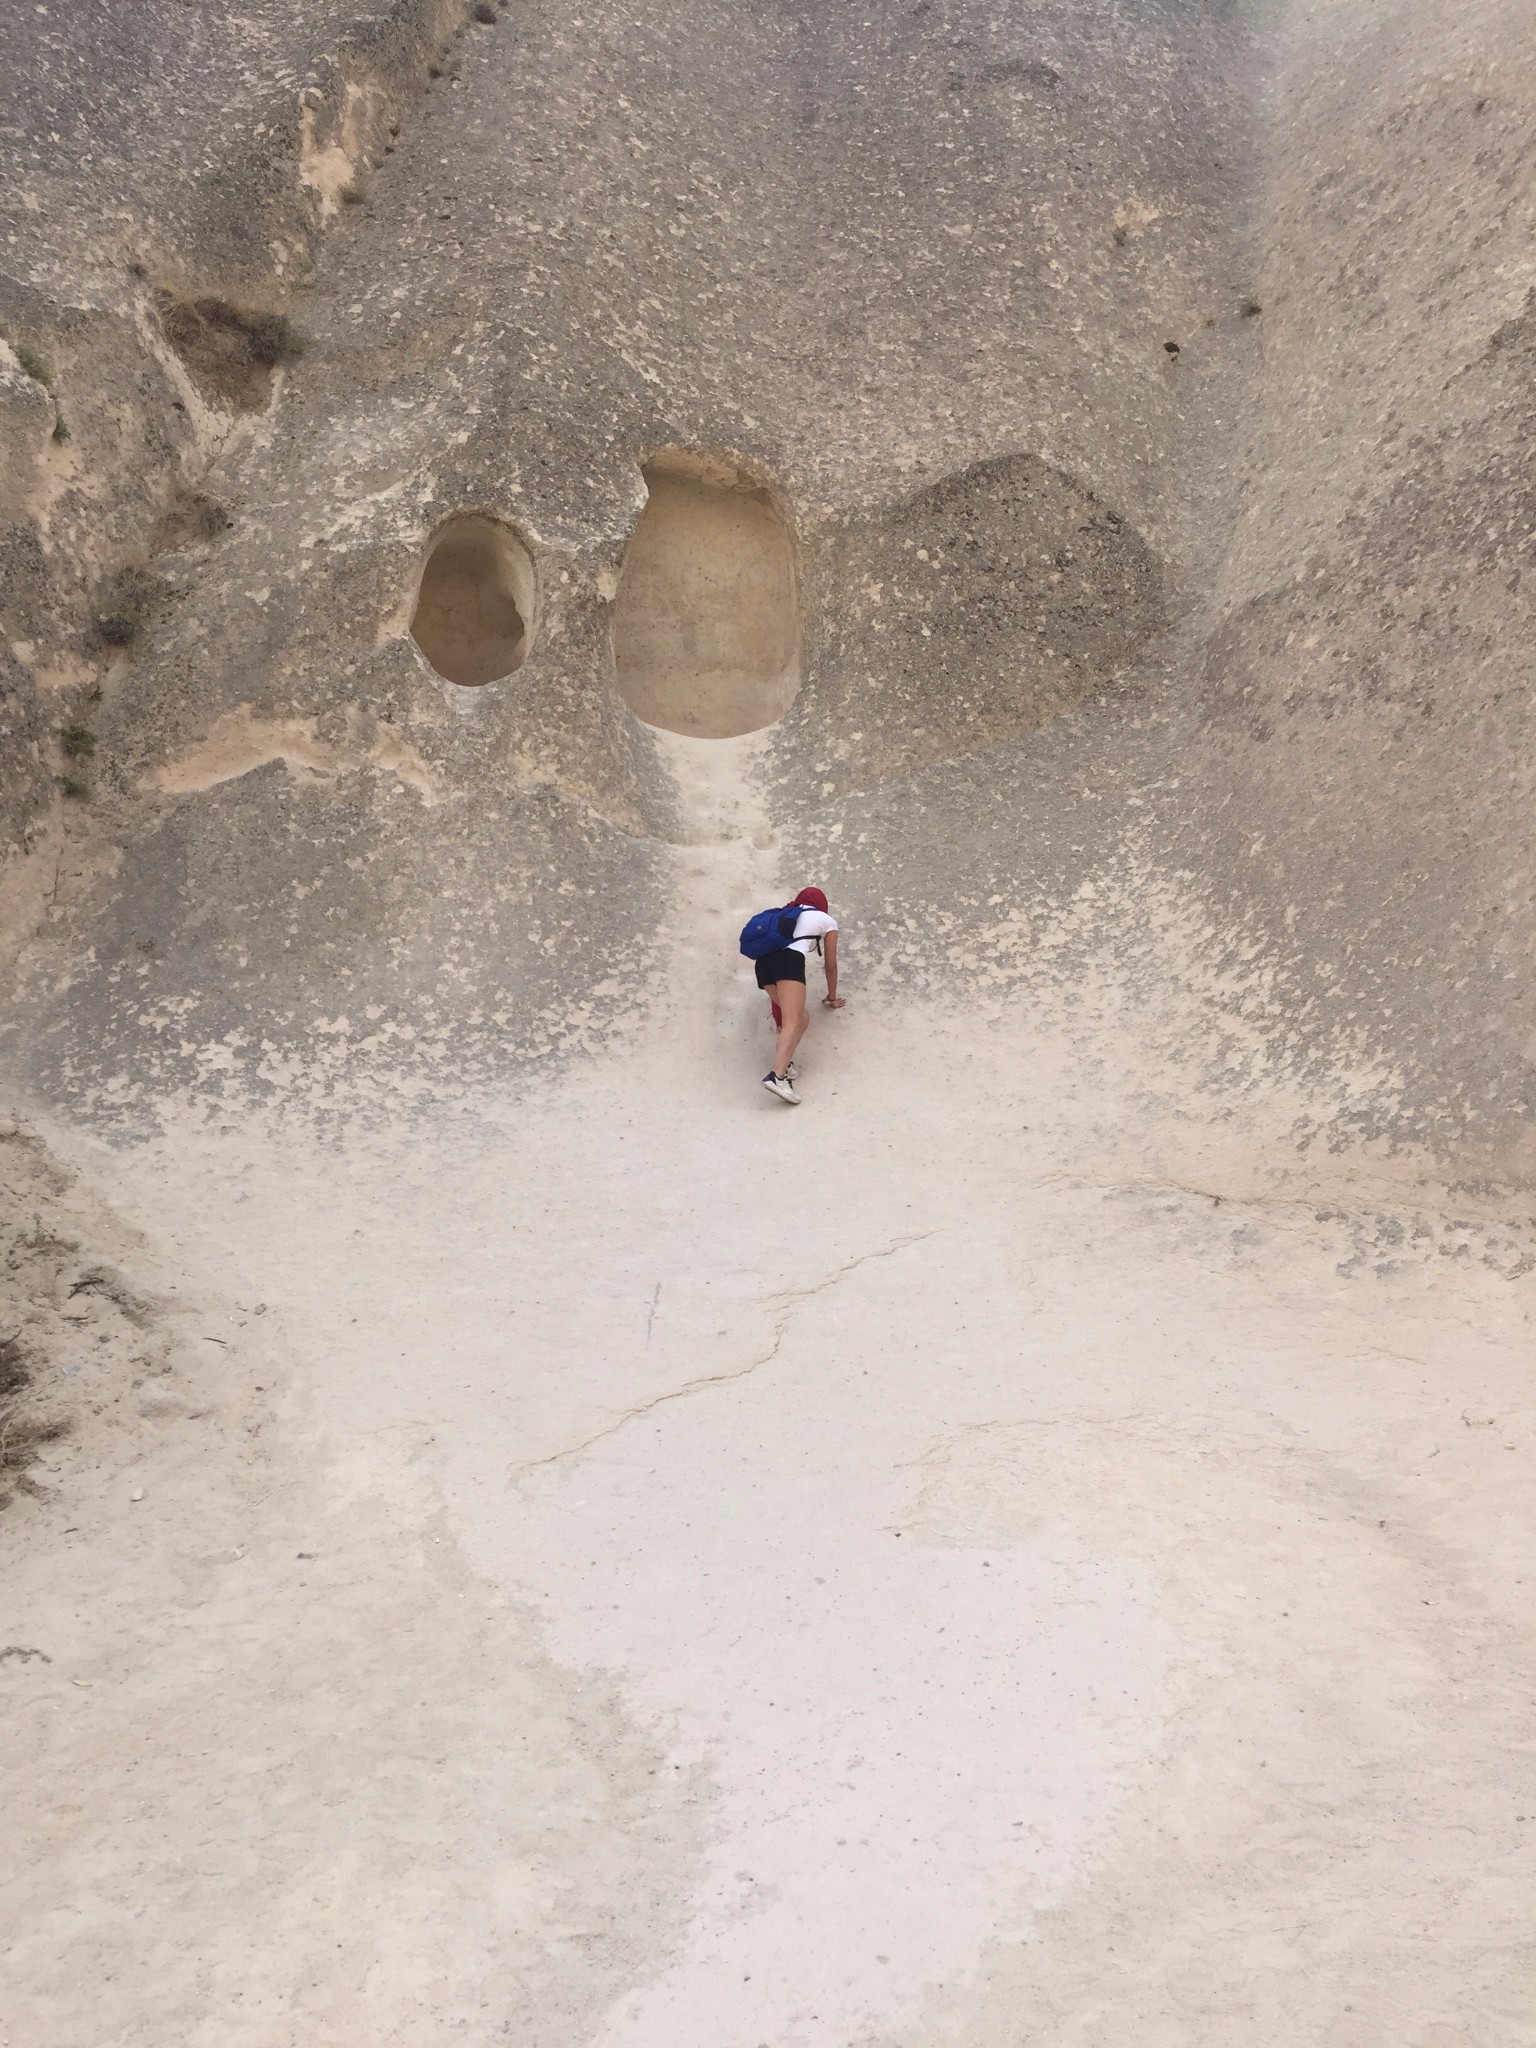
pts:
pixel 474 611
pixel 706 631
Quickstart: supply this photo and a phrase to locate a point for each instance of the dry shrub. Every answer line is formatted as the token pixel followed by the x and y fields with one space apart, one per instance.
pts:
pixel 128 600
pixel 190 519
pixel 22 1429
pixel 36 366
pixel 231 351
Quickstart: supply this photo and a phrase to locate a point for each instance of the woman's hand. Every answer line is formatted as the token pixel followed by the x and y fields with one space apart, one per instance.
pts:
pixel 831 1000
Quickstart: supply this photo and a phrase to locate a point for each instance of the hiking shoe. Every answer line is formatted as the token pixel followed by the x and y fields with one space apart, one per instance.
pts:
pixel 780 1085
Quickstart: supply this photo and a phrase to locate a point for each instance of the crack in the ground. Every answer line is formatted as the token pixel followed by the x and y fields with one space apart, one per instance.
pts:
pixel 791 1299
pixel 1157 1185
pixel 1286 1212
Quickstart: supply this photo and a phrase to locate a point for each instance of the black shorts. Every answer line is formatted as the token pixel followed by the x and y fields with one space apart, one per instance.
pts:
pixel 786 965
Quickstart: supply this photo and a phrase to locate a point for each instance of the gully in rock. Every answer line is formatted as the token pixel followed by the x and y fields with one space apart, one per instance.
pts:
pixel 779 942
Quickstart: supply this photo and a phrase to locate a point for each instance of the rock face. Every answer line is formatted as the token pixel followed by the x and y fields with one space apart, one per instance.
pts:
pixel 1134 411
pixel 1361 712
pixel 516 1533
pixel 978 609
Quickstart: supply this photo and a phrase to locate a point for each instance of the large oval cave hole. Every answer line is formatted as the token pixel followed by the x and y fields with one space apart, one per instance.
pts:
pixel 474 611
pixel 705 633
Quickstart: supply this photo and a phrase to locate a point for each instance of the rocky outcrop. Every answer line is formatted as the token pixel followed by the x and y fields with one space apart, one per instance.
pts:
pixel 1145 451
pixel 169 181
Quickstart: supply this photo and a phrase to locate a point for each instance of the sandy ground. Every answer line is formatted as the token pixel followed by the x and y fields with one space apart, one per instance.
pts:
pixel 663 1570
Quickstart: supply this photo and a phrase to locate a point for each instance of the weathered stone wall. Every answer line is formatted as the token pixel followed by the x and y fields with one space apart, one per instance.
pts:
pixel 1142 390
pixel 158 153
pixel 979 608
pixel 1324 765
pixel 1361 721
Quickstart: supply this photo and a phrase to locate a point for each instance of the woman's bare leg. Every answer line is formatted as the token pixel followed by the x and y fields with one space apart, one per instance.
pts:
pixel 790 997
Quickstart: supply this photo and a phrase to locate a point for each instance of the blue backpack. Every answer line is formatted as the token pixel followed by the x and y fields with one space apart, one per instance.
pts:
pixel 770 931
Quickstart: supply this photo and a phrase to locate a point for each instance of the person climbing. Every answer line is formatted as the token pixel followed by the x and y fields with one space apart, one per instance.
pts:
pixel 779 942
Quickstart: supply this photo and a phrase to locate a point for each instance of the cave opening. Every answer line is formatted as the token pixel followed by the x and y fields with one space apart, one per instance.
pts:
pixel 474 610
pixel 706 631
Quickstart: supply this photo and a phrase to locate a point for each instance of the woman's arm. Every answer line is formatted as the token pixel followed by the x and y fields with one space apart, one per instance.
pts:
pixel 832 999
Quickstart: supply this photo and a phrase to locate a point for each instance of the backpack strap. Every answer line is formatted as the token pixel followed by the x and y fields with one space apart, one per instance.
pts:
pixel 797 908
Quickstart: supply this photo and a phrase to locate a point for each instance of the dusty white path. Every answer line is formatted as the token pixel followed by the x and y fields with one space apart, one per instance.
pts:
pixel 898 1571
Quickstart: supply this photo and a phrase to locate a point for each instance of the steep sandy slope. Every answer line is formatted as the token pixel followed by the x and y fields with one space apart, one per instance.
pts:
pixel 598 244
pixel 953 1561
pixel 1032 1545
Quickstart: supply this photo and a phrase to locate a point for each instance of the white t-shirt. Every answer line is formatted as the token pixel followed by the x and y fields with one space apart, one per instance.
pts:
pixel 810 926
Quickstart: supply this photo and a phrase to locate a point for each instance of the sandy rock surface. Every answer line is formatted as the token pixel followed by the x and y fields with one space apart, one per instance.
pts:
pixel 511 1533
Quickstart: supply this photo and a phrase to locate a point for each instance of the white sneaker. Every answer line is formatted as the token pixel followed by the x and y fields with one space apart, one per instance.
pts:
pixel 780 1085
pixel 791 1072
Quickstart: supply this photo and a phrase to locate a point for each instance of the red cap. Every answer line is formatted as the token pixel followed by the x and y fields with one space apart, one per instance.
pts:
pixel 811 899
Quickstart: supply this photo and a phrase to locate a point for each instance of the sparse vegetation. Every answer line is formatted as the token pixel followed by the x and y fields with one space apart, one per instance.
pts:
pixel 37 367
pixel 484 12
pixel 204 516
pixel 60 430
pixel 127 602
pixel 191 518
pixel 230 350
pixel 352 194
pixel 434 71
pixel 72 787
pixel 21 1429
pixel 77 740
pixel 273 338
pixel 1120 237
pixel 1250 309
